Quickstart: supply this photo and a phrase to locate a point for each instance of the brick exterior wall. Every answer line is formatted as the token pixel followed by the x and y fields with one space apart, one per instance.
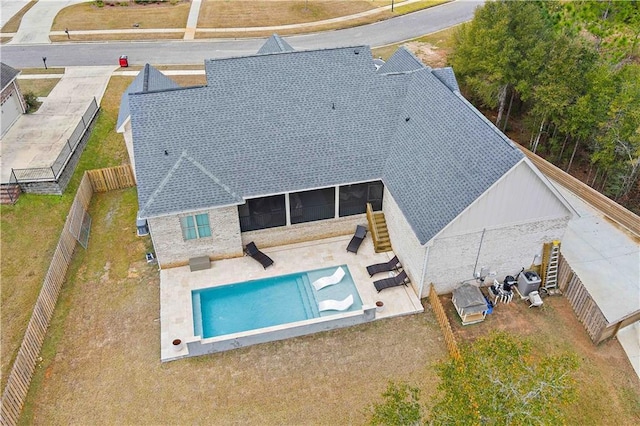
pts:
pixel 172 250
pixel 308 231
pixel 504 250
pixel 404 241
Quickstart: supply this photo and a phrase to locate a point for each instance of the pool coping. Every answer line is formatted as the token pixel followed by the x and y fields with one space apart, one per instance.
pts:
pixel 176 284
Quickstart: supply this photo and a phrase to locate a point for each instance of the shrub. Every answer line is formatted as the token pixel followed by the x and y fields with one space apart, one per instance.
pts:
pixel 32 102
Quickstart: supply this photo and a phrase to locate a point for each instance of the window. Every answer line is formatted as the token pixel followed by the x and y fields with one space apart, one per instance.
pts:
pixel 262 213
pixel 313 205
pixel 195 226
pixel 354 198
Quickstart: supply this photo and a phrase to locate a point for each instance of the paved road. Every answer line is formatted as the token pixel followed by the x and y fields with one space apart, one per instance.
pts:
pixel 194 52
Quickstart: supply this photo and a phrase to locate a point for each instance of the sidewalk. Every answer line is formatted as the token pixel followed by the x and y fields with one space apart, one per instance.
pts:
pixel 36 23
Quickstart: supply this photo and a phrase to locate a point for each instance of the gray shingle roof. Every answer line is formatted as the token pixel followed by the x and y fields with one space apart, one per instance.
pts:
pixel 148 79
pixel 401 61
pixel 268 124
pixel 275 44
pixel 448 77
pixel 7 74
pixel 444 157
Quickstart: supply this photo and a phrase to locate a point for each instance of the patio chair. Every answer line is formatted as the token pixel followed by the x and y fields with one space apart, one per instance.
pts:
pixel 392 265
pixel 357 239
pixel 323 282
pixel 254 252
pixel 335 305
pixel 400 279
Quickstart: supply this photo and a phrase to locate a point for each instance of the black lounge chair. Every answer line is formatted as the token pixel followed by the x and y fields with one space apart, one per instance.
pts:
pixel 400 279
pixel 391 265
pixel 254 252
pixel 357 239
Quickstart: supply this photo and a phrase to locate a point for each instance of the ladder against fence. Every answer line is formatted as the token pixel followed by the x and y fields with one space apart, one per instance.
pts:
pixel 109 179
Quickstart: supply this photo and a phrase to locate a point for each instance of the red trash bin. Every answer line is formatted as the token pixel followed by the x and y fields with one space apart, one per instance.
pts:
pixel 124 61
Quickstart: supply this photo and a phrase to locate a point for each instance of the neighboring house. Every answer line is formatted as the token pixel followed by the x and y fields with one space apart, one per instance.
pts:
pixel 287 146
pixel 13 104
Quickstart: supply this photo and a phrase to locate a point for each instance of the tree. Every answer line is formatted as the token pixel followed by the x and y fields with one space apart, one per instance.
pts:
pixel 400 407
pixel 501 51
pixel 509 384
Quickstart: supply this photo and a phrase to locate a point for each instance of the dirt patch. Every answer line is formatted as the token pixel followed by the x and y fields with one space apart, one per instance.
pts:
pixel 429 54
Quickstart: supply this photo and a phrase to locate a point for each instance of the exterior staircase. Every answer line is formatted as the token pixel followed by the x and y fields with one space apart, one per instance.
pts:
pixel 378 230
pixel 9 193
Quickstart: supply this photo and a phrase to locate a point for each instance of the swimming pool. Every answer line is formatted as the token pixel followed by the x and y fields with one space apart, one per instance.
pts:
pixel 251 305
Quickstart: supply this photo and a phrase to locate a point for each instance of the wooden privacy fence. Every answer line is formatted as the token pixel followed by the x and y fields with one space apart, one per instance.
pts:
pixel 615 211
pixel 104 180
pixel 441 316
pixel 586 309
pixel 17 386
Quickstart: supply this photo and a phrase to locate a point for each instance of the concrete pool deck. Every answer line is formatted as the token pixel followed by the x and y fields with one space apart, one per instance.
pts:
pixel 176 284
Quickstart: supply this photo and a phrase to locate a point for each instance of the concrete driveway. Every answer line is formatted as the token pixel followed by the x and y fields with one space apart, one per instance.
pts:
pixel 36 24
pixel 35 140
pixel 10 8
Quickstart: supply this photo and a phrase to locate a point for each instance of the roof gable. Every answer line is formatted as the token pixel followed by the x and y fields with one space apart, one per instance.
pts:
pixel 401 61
pixel 148 79
pixel 275 44
pixel 453 156
pixel 7 74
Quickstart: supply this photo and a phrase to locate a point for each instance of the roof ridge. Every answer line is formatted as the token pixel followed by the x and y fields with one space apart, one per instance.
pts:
pixel 486 120
pixel 213 177
pixel 145 78
pixel 326 49
pixel 184 156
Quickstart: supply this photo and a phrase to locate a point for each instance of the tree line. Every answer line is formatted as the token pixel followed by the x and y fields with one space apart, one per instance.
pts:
pixel 571 71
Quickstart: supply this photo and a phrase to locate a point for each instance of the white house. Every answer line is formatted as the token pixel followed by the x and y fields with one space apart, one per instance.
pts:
pixel 286 146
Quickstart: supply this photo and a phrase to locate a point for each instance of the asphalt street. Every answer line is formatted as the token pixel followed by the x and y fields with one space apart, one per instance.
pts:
pixel 195 52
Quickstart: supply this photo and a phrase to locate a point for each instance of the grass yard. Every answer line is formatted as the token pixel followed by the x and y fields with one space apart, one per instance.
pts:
pixel 127 36
pixel 41 87
pixel 87 16
pixel 240 14
pixel 608 388
pixel 101 358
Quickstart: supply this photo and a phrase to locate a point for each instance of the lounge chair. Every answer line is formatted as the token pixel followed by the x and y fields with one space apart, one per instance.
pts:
pixel 254 252
pixel 336 305
pixel 330 280
pixel 400 279
pixel 357 239
pixel 391 265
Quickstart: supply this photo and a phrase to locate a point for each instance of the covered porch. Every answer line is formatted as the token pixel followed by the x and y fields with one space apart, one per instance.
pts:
pixel 176 284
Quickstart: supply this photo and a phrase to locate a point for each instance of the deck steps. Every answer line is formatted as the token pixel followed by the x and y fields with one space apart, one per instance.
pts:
pixel 378 229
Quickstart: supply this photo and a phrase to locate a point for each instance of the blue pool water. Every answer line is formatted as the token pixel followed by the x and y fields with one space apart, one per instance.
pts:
pixel 251 305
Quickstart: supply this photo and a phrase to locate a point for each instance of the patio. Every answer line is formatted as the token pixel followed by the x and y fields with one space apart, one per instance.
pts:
pixel 176 284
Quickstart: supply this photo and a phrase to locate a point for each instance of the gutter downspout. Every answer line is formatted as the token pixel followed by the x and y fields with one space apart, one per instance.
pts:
pixel 424 272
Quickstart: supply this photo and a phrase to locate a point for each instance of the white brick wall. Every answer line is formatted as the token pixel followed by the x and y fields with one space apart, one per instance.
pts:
pixel 172 250
pixel 504 250
pixel 304 231
pixel 404 242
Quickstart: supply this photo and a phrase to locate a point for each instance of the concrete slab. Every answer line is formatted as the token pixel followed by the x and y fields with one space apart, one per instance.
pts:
pixel 605 257
pixel 9 8
pixel 176 312
pixel 629 338
pixel 36 23
pixel 35 140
